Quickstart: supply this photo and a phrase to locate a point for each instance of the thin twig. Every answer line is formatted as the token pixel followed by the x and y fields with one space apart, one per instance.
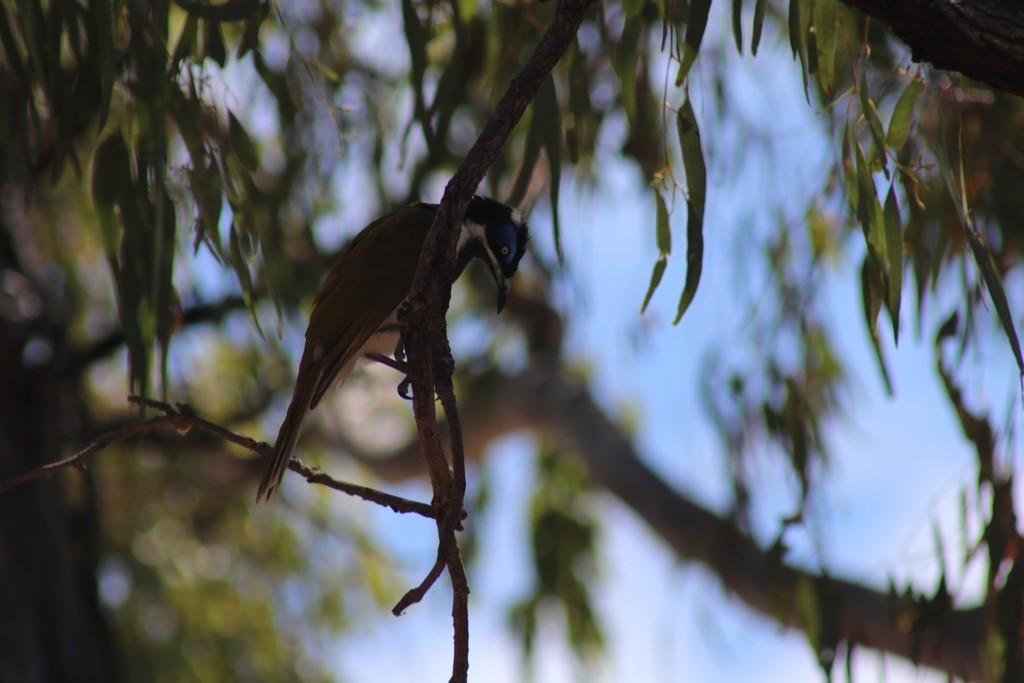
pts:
pixel 182 418
pixel 414 595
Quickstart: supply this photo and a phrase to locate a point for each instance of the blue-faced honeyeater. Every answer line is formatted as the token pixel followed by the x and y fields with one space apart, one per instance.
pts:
pixel 355 314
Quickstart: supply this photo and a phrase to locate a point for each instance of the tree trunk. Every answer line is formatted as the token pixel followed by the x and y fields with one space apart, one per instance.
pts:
pixel 51 625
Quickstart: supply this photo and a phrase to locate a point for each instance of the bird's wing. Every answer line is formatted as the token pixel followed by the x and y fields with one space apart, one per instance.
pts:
pixel 353 302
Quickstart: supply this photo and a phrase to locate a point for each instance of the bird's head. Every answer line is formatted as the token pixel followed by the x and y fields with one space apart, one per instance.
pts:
pixel 497 235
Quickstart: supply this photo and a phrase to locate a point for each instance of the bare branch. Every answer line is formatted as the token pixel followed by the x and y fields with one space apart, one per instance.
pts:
pixel 183 419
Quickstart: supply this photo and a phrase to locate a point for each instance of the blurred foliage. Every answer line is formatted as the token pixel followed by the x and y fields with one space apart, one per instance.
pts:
pixel 564 536
pixel 229 138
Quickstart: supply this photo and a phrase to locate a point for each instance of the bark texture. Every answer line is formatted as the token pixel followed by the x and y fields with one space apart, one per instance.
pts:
pixel 981 39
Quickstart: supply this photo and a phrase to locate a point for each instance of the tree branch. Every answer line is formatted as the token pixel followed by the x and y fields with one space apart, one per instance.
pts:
pixel 183 419
pixel 982 39
pixel 423 320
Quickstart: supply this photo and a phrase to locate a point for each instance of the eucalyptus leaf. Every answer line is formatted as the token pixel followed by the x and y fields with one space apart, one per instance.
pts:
pixel 696 182
pixel 242 144
pixel 894 246
pixel 994 285
pixel 874 122
pixel 760 12
pixel 871 295
pixel 825 21
pixel 899 123
pixel 656 275
pixel 737 24
pixel 695 27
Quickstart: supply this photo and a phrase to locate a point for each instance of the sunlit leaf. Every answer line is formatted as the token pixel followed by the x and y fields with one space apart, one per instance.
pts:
pixel 326 71
pixel 899 123
pixel 808 611
pixel 894 245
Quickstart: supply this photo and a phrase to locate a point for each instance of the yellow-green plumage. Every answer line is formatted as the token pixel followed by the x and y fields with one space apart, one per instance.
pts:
pixel 369 280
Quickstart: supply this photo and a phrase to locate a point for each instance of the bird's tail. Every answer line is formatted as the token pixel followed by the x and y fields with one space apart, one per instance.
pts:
pixel 287 437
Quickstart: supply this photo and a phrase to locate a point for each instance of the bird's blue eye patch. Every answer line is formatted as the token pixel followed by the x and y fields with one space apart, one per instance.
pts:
pixel 507 242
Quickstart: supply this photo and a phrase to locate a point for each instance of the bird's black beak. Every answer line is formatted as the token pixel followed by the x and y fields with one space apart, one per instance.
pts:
pixel 499 280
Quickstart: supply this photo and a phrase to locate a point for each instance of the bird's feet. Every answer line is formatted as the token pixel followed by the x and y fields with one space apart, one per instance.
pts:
pixel 397 363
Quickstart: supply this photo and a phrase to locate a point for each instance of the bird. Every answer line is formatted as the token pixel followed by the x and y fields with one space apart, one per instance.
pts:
pixel 355 315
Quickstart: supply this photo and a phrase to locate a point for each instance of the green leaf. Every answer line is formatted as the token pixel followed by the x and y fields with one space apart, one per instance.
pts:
pixel 240 264
pixel 825 21
pixel 994 285
pixel 103 19
pixel 760 12
pixel 242 144
pixel 870 112
pixel 662 227
pixel 737 24
pixel 849 170
pixel 899 123
pixel 808 611
pixel 871 295
pixel 696 181
pixel 869 210
pixel 798 37
pixel 626 64
pixel 416 38
pixel 109 169
pixel 694 259
pixel 695 27
pixel 894 245
pixel 186 42
pixel 659 271
pixel 664 236
pixel 693 156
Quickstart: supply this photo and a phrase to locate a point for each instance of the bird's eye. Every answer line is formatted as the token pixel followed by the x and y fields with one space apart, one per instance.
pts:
pixel 505 251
